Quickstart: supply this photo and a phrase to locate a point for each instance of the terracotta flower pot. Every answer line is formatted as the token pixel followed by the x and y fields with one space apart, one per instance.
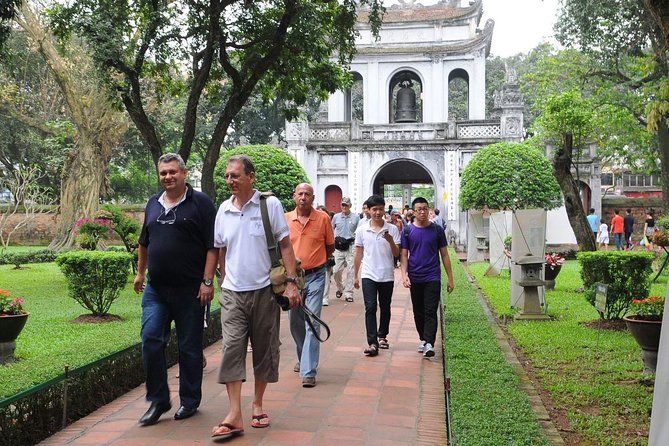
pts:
pixel 647 334
pixel 10 328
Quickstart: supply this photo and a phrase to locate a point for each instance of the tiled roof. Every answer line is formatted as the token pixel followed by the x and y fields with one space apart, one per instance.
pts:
pixel 419 13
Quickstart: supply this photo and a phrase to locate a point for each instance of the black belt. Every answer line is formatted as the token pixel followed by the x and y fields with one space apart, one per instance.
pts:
pixel 313 270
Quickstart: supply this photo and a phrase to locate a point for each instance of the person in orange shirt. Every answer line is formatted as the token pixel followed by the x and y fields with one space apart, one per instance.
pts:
pixel 617 227
pixel 313 242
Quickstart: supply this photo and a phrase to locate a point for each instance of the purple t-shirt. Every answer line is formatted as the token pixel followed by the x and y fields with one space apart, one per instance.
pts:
pixel 424 245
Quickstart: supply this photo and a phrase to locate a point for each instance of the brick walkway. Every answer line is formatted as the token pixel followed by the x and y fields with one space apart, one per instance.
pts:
pixel 396 398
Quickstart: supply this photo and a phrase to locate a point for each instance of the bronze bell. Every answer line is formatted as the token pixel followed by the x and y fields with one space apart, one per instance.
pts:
pixel 406 105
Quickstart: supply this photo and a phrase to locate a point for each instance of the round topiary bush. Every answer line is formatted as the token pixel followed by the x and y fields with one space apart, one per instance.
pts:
pixel 276 171
pixel 509 176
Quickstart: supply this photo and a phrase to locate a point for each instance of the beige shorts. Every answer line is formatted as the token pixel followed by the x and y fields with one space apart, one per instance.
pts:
pixel 250 315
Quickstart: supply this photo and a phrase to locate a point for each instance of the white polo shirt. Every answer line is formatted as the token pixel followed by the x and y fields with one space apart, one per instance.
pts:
pixel 377 261
pixel 241 231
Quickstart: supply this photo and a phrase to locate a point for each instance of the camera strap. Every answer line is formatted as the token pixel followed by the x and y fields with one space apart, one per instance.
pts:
pixel 310 317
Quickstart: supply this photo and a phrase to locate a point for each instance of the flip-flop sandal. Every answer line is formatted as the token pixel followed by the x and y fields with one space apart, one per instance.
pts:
pixel 383 343
pixel 258 421
pixel 226 430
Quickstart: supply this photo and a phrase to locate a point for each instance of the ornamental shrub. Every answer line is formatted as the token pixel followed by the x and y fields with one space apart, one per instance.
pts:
pixel 625 272
pixel 509 176
pixel 276 171
pixel 21 258
pixel 95 278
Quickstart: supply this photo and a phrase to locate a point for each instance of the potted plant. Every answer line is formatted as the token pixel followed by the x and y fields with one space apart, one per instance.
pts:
pixel 552 267
pixel 645 324
pixel 12 320
pixel 661 233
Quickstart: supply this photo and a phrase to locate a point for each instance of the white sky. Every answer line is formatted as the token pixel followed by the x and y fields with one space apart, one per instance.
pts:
pixel 519 24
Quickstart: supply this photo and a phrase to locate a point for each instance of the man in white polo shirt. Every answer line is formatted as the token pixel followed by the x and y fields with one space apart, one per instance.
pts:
pixel 377 243
pixel 247 308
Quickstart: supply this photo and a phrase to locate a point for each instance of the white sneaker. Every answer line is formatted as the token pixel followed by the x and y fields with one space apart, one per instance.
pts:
pixel 421 347
pixel 429 351
pixel 326 302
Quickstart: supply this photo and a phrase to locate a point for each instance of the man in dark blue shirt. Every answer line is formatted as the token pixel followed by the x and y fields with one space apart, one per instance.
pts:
pixel 177 246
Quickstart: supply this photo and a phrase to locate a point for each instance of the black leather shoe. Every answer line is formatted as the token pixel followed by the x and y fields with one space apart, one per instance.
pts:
pixel 155 411
pixel 184 412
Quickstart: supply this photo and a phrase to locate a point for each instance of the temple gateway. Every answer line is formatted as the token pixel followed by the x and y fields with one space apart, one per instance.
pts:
pixel 393 125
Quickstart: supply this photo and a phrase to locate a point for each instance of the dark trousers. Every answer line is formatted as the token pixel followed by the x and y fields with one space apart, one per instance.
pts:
pixel 370 291
pixel 628 239
pixel 425 299
pixel 161 306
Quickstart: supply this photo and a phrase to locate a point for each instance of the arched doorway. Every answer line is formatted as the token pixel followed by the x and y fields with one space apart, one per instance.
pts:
pixel 333 196
pixel 401 180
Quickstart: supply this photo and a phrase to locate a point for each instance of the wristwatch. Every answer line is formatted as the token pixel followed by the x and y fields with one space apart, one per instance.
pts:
pixel 207 282
pixel 292 279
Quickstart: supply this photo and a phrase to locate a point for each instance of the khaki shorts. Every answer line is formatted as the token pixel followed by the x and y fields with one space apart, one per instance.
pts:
pixel 250 315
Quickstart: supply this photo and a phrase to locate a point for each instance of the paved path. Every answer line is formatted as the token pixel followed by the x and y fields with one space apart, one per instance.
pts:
pixel 396 398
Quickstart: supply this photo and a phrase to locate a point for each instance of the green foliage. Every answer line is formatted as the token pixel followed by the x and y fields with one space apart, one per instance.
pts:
pixel 23 257
pixel 663 222
pixel 509 176
pixel 125 227
pixel 95 278
pixel 625 273
pixel 581 367
pixel 483 384
pixel 276 171
pixel 91 231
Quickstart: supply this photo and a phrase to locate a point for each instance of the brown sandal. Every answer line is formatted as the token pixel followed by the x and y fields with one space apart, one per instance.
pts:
pixel 372 350
pixel 383 343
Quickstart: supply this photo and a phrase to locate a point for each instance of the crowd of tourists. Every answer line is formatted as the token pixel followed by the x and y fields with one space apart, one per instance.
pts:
pixel 184 242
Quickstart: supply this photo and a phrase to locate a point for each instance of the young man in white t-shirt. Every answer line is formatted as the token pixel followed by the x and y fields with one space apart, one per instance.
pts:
pixel 377 243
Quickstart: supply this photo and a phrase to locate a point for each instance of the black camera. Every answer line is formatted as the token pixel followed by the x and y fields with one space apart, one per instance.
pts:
pixel 282 301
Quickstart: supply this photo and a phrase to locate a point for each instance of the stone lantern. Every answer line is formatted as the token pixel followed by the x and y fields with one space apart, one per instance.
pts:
pixel 530 279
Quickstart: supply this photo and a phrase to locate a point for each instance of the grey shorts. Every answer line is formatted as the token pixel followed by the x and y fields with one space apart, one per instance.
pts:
pixel 250 315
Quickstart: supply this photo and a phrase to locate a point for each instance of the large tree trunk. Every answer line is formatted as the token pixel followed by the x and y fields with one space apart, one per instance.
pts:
pixel 83 176
pixel 663 143
pixel 98 127
pixel 562 163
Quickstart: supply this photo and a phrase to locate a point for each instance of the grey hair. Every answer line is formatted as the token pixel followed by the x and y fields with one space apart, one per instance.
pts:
pixel 169 157
pixel 245 160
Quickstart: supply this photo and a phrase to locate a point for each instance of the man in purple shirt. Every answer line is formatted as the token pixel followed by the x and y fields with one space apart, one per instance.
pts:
pixel 422 274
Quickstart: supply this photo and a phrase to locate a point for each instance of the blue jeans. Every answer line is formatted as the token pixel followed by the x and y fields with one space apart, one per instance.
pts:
pixel 619 241
pixel 161 306
pixel 308 347
pixel 370 290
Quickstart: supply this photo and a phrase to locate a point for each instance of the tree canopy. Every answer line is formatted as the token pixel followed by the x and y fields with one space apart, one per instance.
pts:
pixel 276 171
pixel 223 50
pixel 509 176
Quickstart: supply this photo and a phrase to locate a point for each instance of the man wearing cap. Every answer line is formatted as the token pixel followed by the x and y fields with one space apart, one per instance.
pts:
pixel 344 225
pixel 313 242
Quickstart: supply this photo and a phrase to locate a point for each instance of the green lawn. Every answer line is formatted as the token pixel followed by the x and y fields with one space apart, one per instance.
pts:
pixel 593 376
pixel 50 339
pixel 487 405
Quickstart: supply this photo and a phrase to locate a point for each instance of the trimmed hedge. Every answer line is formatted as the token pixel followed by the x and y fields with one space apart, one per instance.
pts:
pixel 95 278
pixel 625 272
pixel 22 258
